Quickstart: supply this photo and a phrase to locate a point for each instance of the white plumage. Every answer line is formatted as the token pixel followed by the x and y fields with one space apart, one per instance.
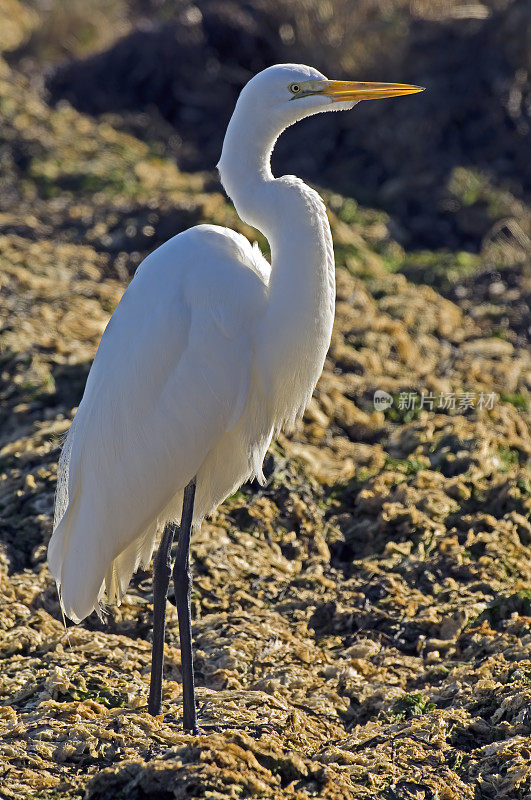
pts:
pixel 209 353
pixel 163 400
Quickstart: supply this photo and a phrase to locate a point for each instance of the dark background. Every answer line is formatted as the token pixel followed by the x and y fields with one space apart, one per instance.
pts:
pixel 451 166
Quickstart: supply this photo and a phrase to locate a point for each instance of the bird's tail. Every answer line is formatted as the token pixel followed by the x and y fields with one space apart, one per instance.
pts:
pixel 87 577
pixel 76 569
pixel 121 570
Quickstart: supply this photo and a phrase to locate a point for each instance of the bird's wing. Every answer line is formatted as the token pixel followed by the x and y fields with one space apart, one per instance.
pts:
pixel 170 377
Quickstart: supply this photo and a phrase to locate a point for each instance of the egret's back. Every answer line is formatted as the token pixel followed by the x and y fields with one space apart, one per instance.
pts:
pixel 170 395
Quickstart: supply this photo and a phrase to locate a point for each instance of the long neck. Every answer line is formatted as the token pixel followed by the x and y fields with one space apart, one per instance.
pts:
pixel 300 309
pixel 245 166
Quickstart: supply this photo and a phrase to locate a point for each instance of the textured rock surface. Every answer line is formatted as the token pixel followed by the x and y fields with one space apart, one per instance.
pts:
pixel 362 623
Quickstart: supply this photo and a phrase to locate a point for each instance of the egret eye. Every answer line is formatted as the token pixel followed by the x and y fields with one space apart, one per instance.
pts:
pixel 295 88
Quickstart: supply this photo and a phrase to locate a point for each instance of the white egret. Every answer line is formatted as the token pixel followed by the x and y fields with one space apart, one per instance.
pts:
pixel 210 352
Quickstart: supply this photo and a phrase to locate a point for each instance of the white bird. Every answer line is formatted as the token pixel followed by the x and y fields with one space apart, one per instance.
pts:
pixel 209 354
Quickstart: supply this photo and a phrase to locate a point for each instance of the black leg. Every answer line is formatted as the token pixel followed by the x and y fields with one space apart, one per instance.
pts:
pixel 161 581
pixel 183 586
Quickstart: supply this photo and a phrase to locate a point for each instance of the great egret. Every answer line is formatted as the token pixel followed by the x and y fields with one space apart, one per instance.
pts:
pixel 210 352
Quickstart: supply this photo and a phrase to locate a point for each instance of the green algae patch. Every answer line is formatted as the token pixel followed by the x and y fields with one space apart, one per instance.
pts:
pixel 411 705
pixel 504 607
pixel 440 269
pixel 81 689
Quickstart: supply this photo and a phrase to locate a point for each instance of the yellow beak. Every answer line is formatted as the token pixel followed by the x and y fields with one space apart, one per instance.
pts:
pixel 341 91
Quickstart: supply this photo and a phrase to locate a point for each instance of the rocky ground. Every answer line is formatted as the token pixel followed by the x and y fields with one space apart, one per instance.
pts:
pixel 362 623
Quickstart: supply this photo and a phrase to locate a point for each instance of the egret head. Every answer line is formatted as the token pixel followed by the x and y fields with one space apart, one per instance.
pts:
pixel 286 93
pixel 272 101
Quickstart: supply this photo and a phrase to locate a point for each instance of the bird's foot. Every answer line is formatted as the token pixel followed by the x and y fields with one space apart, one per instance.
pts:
pixel 192 730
